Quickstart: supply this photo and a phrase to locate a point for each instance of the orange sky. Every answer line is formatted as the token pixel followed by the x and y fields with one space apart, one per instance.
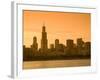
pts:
pixel 59 25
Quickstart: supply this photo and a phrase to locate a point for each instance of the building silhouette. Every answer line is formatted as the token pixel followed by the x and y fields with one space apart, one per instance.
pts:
pixel 87 48
pixel 80 43
pixel 52 47
pixel 69 43
pixel 61 47
pixel 44 41
pixel 80 46
pixel 57 44
pixel 34 45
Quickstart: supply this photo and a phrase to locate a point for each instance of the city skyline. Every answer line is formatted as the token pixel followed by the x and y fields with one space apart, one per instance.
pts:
pixel 44 41
pixel 57 50
pixel 61 31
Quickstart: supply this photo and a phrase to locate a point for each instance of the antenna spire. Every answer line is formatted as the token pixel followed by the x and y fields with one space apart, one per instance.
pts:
pixel 44 23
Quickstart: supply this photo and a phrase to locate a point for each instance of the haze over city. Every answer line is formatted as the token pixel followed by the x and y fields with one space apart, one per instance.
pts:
pixel 59 25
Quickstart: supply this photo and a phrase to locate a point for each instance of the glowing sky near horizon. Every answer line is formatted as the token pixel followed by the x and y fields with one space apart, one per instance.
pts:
pixel 59 25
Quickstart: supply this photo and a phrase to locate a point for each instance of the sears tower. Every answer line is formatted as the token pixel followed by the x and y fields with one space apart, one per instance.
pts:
pixel 44 41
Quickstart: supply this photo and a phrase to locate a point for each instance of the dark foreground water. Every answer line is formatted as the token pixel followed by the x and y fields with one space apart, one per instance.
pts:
pixel 56 63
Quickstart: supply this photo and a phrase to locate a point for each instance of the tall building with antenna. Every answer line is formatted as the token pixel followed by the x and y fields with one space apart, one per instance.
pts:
pixel 44 41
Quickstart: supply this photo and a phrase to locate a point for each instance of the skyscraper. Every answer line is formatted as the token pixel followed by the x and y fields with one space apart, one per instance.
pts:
pixel 69 43
pixel 35 44
pixel 56 43
pixel 80 43
pixel 44 41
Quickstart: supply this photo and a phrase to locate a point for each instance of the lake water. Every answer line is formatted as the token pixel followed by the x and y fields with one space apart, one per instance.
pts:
pixel 56 63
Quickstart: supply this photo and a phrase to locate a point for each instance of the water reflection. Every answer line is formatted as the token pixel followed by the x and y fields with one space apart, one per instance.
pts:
pixel 56 63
